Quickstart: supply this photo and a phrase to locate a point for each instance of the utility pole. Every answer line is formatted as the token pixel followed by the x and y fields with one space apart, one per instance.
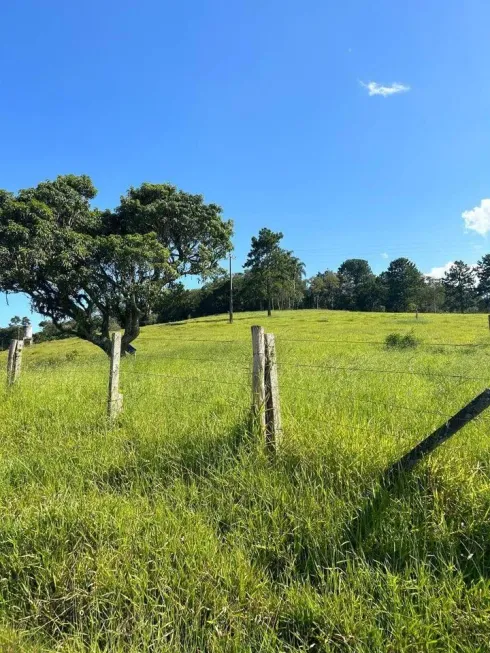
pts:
pixel 231 290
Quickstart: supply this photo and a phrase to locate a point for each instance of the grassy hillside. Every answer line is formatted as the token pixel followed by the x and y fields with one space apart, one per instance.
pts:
pixel 174 531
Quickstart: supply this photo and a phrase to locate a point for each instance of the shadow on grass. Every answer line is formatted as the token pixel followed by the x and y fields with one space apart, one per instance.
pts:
pixel 417 519
pixel 198 320
pixel 421 519
pixel 150 467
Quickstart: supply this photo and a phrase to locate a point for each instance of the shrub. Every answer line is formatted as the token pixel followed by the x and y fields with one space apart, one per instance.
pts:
pixel 401 341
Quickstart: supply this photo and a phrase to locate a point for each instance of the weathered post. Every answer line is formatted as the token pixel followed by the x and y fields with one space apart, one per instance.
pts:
pixel 10 361
pixel 258 379
pixel 273 423
pixel 28 335
pixel 114 402
pixel 14 361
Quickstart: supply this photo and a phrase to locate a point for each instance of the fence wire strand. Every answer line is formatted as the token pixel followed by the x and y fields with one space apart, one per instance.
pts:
pixel 368 370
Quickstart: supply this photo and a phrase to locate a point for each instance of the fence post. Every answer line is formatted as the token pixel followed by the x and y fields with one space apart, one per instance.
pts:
pixel 272 406
pixel 114 402
pixel 10 361
pixel 28 335
pixel 258 379
pixel 14 361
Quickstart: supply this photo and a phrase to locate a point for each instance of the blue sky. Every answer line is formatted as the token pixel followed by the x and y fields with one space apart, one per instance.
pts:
pixel 259 105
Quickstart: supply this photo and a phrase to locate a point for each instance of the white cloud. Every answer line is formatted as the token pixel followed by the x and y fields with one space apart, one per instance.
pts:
pixel 384 255
pixel 478 219
pixel 378 89
pixel 438 273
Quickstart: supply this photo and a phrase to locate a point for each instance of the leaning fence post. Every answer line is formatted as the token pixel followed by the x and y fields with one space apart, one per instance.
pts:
pixel 14 361
pixel 114 402
pixel 272 404
pixel 258 380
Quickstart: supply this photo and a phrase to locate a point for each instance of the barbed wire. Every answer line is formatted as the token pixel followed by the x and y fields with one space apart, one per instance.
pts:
pixel 385 404
pixel 312 340
pixel 368 370
pixel 247 367
pixel 129 388
pixel 380 342
pixel 217 340
pixel 184 378
pixel 193 359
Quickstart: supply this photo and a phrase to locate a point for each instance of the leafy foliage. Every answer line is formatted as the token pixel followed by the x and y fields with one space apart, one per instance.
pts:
pixel 483 288
pixel 88 266
pixel 356 285
pixel 459 283
pixel 273 270
pixel 323 289
pixel 403 285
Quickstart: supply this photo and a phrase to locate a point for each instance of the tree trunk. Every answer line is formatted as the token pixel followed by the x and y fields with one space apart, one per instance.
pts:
pixel 269 298
pixel 131 332
pixel 131 329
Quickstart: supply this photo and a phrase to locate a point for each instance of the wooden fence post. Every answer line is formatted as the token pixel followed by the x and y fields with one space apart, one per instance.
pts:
pixel 10 361
pixel 115 399
pixel 369 515
pixel 14 361
pixel 258 379
pixel 454 424
pixel 28 335
pixel 272 404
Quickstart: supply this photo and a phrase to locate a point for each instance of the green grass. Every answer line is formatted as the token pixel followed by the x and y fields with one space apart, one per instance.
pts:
pixel 174 531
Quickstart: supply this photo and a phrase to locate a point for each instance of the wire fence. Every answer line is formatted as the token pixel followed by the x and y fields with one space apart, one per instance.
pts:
pixel 141 367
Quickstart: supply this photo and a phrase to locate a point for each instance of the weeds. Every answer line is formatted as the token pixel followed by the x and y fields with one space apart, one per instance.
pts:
pixel 401 341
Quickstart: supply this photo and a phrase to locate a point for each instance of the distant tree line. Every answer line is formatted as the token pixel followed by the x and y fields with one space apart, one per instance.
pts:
pixel 14 330
pixel 401 288
pixel 274 279
pixel 89 270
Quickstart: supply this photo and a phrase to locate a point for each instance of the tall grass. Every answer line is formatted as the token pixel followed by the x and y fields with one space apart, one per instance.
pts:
pixel 174 531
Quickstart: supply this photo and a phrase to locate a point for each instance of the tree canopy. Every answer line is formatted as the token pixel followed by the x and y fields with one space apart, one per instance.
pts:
pixel 87 266
pixel 459 283
pixel 483 273
pixel 357 288
pixel 403 285
pixel 273 269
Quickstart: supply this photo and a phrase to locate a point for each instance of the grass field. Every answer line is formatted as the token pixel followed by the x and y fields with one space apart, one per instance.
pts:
pixel 174 531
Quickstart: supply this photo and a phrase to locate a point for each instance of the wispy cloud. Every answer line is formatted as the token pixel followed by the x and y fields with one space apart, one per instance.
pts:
pixel 384 255
pixel 478 219
pixel 374 88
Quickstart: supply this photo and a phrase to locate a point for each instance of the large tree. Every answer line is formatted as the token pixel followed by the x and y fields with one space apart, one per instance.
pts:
pixel 273 270
pixel 357 285
pixel 459 284
pixel 404 283
pixel 323 289
pixel 483 274
pixel 85 267
pixel 432 296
